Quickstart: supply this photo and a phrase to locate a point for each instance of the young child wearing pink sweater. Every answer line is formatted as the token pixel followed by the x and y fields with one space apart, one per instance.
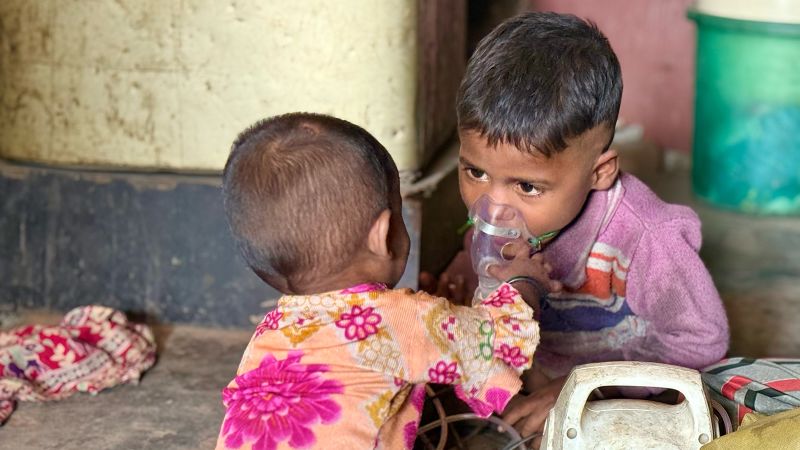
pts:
pixel 536 116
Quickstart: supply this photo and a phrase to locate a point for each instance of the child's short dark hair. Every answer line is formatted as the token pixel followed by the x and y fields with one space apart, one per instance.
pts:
pixel 301 192
pixel 539 79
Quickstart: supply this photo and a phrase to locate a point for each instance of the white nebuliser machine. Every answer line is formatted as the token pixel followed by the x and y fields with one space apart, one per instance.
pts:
pixel 577 423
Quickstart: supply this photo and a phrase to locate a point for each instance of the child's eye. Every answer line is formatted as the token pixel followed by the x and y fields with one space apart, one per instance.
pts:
pixel 529 189
pixel 477 174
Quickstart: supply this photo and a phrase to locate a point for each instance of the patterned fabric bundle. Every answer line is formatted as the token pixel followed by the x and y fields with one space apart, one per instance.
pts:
pixel 93 348
pixel 743 385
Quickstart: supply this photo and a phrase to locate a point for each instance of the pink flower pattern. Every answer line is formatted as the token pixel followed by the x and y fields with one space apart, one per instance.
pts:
pixel 513 323
pixel 283 403
pixel 270 322
pixel 277 401
pixel 410 428
pixel 448 326
pixel 496 401
pixel 511 355
pixel 364 287
pixel 360 323
pixel 444 373
pixel 410 433
pixel 502 296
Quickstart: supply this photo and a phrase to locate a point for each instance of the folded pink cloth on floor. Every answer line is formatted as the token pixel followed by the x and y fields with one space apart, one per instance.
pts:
pixel 93 348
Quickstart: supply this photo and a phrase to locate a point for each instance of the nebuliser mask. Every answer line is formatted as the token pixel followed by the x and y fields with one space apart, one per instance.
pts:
pixel 496 227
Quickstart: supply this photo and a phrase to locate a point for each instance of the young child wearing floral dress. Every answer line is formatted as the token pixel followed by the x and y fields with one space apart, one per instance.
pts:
pixel 314 205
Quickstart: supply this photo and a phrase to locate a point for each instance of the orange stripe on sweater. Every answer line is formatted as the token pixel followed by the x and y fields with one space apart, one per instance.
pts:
pixel 601 284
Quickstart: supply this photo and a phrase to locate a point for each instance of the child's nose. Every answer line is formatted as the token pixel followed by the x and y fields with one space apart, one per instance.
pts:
pixel 499 195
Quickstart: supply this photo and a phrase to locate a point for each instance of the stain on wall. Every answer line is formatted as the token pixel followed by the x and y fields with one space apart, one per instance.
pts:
pixel 167 85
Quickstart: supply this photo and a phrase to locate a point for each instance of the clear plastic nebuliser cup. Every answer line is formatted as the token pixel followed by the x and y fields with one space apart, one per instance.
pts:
pixel 496 226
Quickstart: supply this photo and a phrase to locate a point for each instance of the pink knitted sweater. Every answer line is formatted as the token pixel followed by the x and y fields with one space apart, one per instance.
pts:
pixel 635 287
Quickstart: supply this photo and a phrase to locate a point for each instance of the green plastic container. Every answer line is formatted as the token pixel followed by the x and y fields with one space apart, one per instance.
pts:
pixel 746 153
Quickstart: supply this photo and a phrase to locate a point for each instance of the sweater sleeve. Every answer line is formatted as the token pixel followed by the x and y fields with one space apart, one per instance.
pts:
pixel 482 350
pixel 670 287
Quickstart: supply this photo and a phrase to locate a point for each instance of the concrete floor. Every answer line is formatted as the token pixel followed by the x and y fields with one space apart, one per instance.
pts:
pixel 177 404
pixel 754 262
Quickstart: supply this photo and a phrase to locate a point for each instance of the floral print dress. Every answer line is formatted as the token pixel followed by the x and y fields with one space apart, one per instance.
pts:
pixel 347 369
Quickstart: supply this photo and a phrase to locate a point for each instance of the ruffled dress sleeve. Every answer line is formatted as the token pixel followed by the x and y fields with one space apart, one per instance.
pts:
pixel 482 350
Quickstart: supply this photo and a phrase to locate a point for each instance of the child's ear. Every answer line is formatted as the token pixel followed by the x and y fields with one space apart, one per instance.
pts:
pixel 378 238
pixel 606 169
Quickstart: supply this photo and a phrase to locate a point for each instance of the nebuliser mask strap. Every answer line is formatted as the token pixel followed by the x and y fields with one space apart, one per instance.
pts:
pixel 494 230
pixel 534 241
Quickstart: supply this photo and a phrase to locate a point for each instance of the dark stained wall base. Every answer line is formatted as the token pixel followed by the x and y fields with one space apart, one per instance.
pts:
pixel 150 244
